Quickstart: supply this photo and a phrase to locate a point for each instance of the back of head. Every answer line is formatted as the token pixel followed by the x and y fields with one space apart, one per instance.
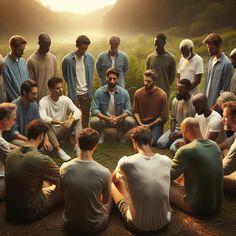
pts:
pixel 53 81
pixel 186 83
pixel 27 85
pixel 17 40
pixel 43 37
pixel 141 135
pixel 82 39
pixel 186 43
pixel 88 139
pixel 200 98
pixel 161 37
pixel 6 110
pixel 35 128
pixel 190 125
pixel 213 38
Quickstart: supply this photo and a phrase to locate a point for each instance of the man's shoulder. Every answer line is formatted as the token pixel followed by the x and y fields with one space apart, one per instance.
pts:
pixel 197 57
pixel 122 53
pixel 69 56
pixel 140 92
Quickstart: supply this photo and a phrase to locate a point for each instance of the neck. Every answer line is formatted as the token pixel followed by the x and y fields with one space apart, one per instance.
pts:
pixel 25 101
pixel 218 54
pixel 86 155
pixel 78 54
pixel 145 150
pixel 112 89
pixel 54 98
pixel 32 143
pixel 187 97
pixel 41 52
pixel 13 55
pixel 207 112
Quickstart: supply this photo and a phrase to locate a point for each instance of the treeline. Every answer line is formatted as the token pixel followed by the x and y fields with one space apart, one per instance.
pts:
pixel 188 17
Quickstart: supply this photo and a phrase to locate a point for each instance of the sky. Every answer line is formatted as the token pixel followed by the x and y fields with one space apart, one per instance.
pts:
pixel 81 7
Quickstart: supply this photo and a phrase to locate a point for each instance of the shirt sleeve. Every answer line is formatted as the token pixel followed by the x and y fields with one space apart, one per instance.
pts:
pixel 125 65
pixel 76 112
pixel 199 66
pixel 95 108
pixel 229 162
pixel 215 124
pixel 127 105
pixel 43 111
pixel 178 166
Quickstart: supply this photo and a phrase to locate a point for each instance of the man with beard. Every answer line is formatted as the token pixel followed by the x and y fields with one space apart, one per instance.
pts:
pixel 32 178
pixel 163 63
pixel 42 65
pixel 182 107
pixel 150 106
pixel 111 107
pixel 190 66
pixel 54 109
pixel 219 69
pixel 200 163
pixel 14 67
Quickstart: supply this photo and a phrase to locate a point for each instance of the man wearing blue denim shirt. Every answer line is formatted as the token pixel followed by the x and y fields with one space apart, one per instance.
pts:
pixel 219 69
pixel 111 107
pixel 77 70
pixel 112 58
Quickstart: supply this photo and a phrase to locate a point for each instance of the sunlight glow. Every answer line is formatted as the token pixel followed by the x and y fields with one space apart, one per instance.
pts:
pixel 81 7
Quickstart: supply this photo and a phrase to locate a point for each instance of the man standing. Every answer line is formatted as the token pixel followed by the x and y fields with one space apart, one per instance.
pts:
pixel 2 84
pixel 182 107
pixel 210 121
pixel 54 109
pixel 219 69
pixel 155 114
pixel 7 120
pixel 141 185
pixel 77 70
pixel 163 63
pixel 27 171
pixel 88 199
pixel 233 80
pixel 190 66
pixel 42 65
pixel 111 107
pixel 14 67
pixel 112 58
pixel 200 163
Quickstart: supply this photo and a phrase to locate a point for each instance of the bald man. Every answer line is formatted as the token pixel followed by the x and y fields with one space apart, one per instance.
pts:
pixel 190 66
pixel 42 65
pixel 2 84
pixel 210 121
pixel 233 80
pixel 115 58
pixel 200 163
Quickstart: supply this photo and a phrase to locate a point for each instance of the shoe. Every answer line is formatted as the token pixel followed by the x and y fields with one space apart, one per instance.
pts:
pixel 77 150
pixel 62 155
pixel 102 137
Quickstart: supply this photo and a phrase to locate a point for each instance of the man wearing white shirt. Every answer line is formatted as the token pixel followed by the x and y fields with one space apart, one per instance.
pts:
pixel 190 66
pixel 53 109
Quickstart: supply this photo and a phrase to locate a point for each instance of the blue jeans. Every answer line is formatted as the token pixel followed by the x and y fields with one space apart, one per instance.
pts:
pixel 157 131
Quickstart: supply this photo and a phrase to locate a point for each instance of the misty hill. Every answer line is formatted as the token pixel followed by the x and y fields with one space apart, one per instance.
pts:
pixel 30 17
pixel 192 17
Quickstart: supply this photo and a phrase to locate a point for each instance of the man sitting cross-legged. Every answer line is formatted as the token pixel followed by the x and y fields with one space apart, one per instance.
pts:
pixel 32 178
pixel 53 109
pixel 141 185
pixel 200 163
pixel 86 186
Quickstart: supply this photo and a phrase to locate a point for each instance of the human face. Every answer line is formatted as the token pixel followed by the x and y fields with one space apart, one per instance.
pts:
pixel 57 90
pixel 44 45
pixel 32 95
pixel 159 45
pixel 112 81
pixel 114 47
pixel 148 83
pixel 199 107
pixel 18 51
pixel 233 60
pixel 186 52
pixel 9 121
pixel 229 121
pixel 212 49
pixel 180 92
pixel 81 49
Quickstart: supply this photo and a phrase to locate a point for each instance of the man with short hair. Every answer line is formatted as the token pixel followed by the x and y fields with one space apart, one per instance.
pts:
pixel 54 109
pixel 112 58
pixel 200 163
pixel 28 171
pixel 219 69
pixel 229 161
pixel 155 114
pixel 7 120
pixel 163 63
pixel 3 97
pixel 182 107
pixel 210 121
pixel 88 199
pixel 14 67
pixel 141 185
pixel 233 79
pixel 77 70
pixel 111 107
pixel 42 65
pixel 190 66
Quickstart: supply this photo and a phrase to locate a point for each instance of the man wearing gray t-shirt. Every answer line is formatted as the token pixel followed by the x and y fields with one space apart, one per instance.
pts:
pixel 86 186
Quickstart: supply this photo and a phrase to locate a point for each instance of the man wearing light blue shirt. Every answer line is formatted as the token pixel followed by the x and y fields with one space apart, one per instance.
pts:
pixel 112 58
pixel 111 107
pixel 14 67
pixel 219 69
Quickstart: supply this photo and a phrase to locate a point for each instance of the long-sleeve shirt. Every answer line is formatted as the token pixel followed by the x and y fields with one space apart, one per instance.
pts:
pixel 104 62
pixel 14 74
pixel 57 110
pixel 102 97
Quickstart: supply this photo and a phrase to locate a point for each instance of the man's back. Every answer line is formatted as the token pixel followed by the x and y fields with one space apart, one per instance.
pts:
pixel 148 181
pixel 83 183
pixel 200 162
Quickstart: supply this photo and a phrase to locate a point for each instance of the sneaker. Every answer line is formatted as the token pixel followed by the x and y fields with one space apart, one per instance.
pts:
pixel 62 155
pixel 102 137
pixel 77 150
